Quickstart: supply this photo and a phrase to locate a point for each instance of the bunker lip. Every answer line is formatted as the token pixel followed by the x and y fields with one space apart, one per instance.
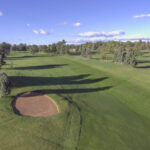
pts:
pixel 34 104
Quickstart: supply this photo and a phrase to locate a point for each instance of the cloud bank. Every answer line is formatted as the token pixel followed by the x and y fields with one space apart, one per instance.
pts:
pixel 77 24
pixel 43 32
pixel 35 31
pixel 141 16
pixel 101 34
pixel 117 38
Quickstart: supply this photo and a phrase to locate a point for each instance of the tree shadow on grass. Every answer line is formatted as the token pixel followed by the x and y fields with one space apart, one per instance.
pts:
pixel 23 81
pixel 143 61
pixel 73 91
pixel 21 57
pixel 64 91
pixel 143 53
pixel 145 64
pixel 39 81
pixel 143 67
pixel 40 67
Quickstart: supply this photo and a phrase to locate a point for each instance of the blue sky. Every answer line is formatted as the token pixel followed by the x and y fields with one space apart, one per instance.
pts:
pixel 76 21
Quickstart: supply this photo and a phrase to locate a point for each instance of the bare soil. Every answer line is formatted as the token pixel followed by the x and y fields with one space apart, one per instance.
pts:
pixel 35 105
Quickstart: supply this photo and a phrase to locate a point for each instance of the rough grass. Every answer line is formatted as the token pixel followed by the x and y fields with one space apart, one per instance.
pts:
pixel 103 106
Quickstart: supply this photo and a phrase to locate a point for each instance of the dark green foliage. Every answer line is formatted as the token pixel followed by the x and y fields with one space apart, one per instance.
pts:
pixel 52 49
pixel 120 55
pixel 43 48
pixel 2 62
pixel 126 55
pixel 85 49
pixel 4 85
pixel 5 48
pixel 61 47
pixel 131 58
pixel 20 47
pixel 33 49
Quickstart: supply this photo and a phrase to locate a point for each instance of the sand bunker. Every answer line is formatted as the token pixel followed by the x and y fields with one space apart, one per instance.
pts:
pixel 35 105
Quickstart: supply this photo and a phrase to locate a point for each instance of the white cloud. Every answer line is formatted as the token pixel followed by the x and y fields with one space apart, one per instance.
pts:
pixel 36 32
pixel 77 24
pixel 43 32
pixel 117 38
pixel 89 34
pixel 1 13
pixel 133 38
pixel 101 34
pixel 81 41
pixel 28 25
pixel 141 16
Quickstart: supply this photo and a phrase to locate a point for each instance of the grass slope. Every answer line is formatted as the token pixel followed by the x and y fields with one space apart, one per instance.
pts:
pixel 102 106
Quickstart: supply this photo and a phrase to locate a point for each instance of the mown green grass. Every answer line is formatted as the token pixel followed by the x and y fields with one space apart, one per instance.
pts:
pixel 103 106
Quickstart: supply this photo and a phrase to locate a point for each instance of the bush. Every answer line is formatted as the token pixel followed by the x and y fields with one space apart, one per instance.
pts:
pixel 120 55
pixel 4 85
pixel 2 62
pixel 126 56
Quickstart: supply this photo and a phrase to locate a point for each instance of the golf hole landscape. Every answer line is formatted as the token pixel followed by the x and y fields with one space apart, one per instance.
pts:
pixel 74 75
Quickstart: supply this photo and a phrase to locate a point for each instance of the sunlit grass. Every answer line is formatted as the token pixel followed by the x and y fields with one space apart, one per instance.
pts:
pixel 103 106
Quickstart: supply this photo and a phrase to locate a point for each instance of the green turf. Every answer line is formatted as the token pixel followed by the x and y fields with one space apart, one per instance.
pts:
pixel 103 106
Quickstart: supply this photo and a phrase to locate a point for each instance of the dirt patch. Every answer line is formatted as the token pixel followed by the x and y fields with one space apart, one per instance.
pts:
pixel 35 105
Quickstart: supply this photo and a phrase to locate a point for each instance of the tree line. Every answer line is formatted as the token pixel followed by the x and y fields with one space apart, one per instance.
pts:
pixel 123 52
